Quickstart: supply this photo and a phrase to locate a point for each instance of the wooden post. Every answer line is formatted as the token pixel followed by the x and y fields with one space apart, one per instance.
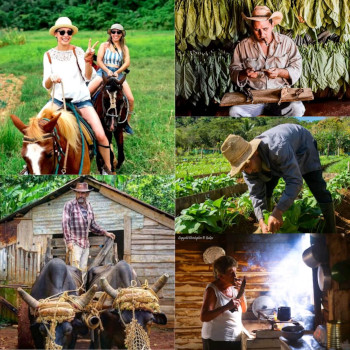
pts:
pixel 115 253
pixel 127 239
pixel 317 298
pixel 38 256
pixel 100 257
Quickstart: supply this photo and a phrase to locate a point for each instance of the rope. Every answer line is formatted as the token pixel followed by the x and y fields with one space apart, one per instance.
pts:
pixel 135 298
pixel 65 161
pixel 63 308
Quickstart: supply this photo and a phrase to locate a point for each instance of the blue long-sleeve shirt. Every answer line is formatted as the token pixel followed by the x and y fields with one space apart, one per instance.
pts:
pixel 289 151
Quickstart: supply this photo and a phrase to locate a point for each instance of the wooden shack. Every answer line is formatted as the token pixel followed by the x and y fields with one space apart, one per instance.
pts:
pixel 144 237
pixel 259 259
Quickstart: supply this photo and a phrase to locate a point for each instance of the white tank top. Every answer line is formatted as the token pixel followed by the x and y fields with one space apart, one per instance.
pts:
pixel 228 325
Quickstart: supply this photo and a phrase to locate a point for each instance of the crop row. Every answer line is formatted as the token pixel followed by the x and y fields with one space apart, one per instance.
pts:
pixel 216 216
pixel 189 185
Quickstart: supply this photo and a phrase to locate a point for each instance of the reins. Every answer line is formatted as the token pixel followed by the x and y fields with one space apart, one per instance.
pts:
pixel 113 105
pixel 77 116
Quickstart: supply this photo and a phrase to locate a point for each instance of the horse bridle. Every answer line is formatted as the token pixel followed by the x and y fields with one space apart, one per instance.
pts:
pixel 57 149
pixel 113 106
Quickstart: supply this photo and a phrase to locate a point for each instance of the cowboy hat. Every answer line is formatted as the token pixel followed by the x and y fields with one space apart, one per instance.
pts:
pixel 117 26
pixel 238 151
pixel 81 187
pixel 63 22
pixel 263 13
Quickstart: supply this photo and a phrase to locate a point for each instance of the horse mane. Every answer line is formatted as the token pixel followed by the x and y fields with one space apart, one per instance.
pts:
pixel 66 124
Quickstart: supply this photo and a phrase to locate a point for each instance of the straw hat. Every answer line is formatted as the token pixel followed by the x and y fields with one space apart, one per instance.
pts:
pixel 237 151
pixel 263 13
pixel 63 22
pixel 81 187
pixel 117 26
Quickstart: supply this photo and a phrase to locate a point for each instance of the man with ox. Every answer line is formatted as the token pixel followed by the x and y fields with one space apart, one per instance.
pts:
pixel 266 60
pixel 286 151
pixel 78 219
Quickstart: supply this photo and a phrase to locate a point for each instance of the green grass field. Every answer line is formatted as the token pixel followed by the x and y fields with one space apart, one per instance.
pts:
pixel 151 78
pixel 216 163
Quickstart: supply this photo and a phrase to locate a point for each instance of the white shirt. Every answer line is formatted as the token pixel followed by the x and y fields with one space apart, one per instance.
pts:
pixel 64 65
pixel 228 325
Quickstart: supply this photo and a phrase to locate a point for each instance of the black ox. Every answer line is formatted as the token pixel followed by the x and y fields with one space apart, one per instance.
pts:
pixel 56 277
pixel 117 276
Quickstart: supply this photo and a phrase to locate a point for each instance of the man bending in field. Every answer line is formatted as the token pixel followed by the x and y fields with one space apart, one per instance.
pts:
pixel 288 151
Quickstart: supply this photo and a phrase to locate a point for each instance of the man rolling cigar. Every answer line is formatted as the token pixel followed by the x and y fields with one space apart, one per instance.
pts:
pixel 266 60
pixel 222 307
pixel 77 220
pixel 286 151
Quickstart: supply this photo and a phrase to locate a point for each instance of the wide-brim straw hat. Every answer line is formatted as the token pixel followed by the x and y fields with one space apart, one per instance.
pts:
pixel 263 13
pixel 237 151
pixel 81 187
pixel 63 22
pixel 117 26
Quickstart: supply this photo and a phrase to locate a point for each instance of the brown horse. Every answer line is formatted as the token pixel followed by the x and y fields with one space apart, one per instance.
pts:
pixel 45 143
pixel 112 107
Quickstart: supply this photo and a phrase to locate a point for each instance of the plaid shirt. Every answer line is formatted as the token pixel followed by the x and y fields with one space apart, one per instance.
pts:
pixel 75 227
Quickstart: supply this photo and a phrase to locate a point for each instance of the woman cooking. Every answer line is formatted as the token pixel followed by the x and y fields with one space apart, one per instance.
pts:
pixel 113 59
pixel 222 328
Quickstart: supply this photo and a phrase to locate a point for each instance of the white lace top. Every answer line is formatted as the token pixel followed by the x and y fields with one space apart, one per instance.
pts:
pixel 64 64
pixel 227 326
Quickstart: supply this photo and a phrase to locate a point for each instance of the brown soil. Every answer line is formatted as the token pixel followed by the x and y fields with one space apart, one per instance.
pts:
pixel 161 339
pixel 11 89
pixel 342 213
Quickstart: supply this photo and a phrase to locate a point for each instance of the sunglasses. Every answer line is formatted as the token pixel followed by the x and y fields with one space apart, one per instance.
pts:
pixel 116 31
pixel 63 32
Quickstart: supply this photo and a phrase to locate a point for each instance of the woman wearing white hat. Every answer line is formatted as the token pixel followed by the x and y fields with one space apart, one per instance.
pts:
pixel 68 65
pixel 113 59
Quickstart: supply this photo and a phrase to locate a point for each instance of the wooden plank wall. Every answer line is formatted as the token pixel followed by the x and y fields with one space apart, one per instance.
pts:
pixel 8 233
pixel 255 261
pixel 339 295
pixel 192 275
pixel 152 254
pixel 22 265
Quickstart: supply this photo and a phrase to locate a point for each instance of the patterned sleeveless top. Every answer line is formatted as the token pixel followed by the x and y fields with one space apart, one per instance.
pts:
pixel 115 58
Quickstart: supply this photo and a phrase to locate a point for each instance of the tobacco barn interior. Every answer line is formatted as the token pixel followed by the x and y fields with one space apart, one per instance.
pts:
pixel 307 274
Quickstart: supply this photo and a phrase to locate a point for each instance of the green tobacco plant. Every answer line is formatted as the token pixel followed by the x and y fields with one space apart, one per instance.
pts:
pixel 190 185
pixel 209 216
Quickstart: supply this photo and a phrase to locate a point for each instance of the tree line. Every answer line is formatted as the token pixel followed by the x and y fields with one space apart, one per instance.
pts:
pixel 332 134
pixel 87 14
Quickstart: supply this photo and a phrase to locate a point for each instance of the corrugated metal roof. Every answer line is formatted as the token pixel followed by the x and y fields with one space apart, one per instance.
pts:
pixel 67 187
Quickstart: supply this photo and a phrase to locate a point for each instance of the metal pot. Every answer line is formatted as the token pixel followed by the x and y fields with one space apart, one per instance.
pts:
pixel 284 313
pixel 315 255
pixel 324 277
pixel 293 332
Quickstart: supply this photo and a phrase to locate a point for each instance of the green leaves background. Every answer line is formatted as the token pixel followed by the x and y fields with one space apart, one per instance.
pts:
pixel 206 31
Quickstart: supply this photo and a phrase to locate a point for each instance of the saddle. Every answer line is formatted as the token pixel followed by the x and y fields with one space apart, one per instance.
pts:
pixel 86 129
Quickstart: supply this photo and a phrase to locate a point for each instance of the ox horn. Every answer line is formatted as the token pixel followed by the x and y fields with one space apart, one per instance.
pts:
pixel 121 81
pixel 106 287
pixel 162 280
pixel 32 302
pixel 85 298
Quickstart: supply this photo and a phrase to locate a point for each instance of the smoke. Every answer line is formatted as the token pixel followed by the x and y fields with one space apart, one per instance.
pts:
pixel 290 282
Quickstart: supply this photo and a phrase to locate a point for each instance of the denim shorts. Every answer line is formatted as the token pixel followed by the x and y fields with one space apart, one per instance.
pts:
pixel 81 104
pixel 101 73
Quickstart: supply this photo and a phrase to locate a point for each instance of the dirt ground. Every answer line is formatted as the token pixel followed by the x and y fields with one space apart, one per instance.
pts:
pixel 342 213
pixel 161 339
pixel 10 87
